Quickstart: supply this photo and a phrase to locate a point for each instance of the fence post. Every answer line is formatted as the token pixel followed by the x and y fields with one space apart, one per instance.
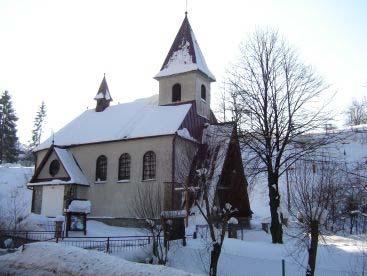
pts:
pixel 26 237
pixel 108 245
pixel 283 267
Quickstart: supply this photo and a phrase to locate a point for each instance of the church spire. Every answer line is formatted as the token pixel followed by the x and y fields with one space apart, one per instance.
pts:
pixel 103 96
pixel 185 54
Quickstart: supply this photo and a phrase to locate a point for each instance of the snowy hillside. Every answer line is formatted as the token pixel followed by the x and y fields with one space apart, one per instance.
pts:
pixel 349 151
pixel 54 259
pixel 14 194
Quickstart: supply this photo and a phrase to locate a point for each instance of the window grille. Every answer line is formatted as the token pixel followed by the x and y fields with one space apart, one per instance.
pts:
pixel 101 168
pixel 149 165
pixel 124 167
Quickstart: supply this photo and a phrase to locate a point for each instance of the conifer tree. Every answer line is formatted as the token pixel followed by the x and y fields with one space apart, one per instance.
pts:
pixel 38 124
pixel 8 131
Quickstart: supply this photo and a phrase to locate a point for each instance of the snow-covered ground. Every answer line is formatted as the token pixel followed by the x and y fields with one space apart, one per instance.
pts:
pixel 256 255
pixel 99 229
pixel 55 259
pixel 14 195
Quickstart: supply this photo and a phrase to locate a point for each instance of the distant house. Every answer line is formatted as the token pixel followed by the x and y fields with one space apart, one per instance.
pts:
pixel 107 153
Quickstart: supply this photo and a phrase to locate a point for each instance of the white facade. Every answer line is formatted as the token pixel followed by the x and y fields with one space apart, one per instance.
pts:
pixel 52 200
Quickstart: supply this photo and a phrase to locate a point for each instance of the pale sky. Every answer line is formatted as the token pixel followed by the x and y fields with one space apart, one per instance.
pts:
pixel 57 51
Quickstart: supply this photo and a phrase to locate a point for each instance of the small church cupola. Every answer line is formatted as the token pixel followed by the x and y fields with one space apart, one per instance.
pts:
pixel 103 96
pixel 184 75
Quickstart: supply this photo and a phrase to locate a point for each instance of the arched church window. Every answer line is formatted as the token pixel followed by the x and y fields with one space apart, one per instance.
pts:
pixel 149 165
pixel 176 92
pixel 203 92
pixel 101 168
pixel 124 167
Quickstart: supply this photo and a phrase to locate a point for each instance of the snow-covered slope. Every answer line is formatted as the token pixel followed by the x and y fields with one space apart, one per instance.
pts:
pixel 256 255
pixel 348 150
pixel 13 189
pixel 56 259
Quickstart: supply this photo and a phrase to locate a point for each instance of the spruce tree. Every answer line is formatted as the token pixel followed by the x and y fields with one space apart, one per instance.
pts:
pixel 38 124
pixel 8 131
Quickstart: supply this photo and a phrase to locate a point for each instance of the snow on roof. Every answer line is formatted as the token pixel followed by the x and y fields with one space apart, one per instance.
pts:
pixel 123 121
pixel 103 91
pixel 184 133
pixel 217 137
pixel 71 167
pixel 80 206
pixel 185 55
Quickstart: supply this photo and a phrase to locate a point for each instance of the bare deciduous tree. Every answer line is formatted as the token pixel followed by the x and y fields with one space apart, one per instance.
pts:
pixel 217 214
pixel 216 218
pixel 313 184
pixel 148 205
pixel 13 210
pixel 357 113
pixel 276 97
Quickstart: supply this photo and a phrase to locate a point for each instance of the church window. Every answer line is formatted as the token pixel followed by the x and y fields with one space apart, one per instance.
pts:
pixel 176 93
pixel 54 167
pixel 101 168
pixel 149 165
pixel 124 167
pixel 203 92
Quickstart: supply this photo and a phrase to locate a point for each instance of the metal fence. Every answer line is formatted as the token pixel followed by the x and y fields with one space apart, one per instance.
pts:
pixel 233 231
pixel 22 237
pixel 104 244
pixel 107 244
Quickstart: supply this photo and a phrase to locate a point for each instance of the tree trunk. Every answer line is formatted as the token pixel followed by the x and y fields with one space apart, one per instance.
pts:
pixel 275 227
pixel 214 258
pixel 312 251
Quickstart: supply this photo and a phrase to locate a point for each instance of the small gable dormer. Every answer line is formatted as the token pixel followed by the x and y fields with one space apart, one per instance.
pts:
pixel 103 96
pixel 58 167
pixel 184 75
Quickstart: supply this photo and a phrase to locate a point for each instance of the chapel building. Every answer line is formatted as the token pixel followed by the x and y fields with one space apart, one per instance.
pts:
pixel 109 154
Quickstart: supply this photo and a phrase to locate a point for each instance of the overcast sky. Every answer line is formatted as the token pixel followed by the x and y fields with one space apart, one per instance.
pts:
pixel 57 51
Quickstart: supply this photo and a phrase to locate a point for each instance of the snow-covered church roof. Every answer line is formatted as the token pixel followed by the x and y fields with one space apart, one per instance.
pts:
pixel 185 55
pixel 138 119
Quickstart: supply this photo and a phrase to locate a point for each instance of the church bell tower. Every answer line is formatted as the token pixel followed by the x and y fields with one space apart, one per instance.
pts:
pixel 184 75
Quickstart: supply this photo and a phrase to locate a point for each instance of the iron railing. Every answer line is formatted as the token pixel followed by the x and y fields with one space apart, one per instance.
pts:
pixel 107 244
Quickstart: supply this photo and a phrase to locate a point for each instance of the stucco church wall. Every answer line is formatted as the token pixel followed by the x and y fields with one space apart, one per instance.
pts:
pixel 44 173
pixel 113 198
pixel 190 90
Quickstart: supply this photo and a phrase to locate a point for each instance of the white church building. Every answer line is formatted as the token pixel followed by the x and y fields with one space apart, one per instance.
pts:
pixel 107 154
